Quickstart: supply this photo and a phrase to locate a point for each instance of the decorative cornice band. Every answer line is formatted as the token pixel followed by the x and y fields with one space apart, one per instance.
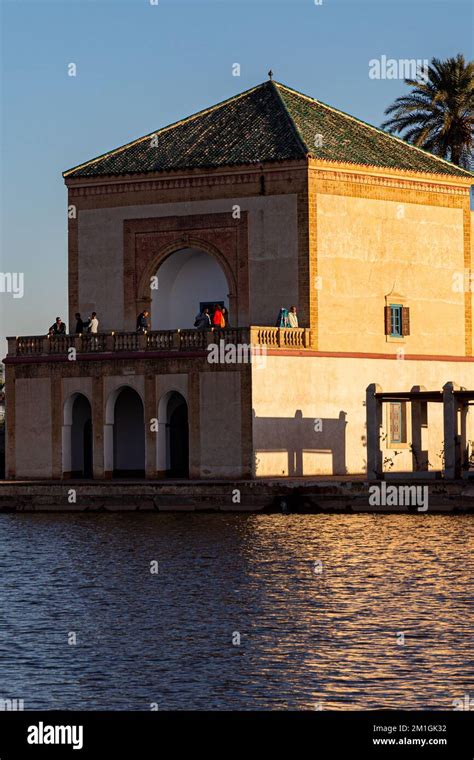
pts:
pixel 234 178
pixel 403 184
pixel 95 186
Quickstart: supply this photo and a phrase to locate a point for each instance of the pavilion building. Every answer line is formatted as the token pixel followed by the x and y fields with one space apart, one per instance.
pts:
pixel 266 200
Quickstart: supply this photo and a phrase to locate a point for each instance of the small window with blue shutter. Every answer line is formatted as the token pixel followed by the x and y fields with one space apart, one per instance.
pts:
pixel 397 320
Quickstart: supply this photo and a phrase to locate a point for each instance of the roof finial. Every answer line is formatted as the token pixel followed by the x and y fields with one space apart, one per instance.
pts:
pixel 270 75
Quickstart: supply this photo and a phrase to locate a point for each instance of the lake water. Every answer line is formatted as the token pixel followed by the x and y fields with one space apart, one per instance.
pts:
pixel 318 601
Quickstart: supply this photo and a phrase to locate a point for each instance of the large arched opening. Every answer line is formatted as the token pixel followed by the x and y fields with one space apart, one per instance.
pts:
pixel 77 442
pixel 186 281
pixel 125 434
pixel 173 436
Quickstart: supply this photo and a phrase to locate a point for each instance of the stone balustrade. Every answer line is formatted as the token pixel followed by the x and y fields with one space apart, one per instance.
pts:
pixel 158 340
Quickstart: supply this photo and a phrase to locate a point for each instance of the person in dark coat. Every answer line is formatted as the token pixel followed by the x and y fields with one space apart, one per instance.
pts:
pixel 142 322
pixel 59 327
pixel 203 320
pixel 79 324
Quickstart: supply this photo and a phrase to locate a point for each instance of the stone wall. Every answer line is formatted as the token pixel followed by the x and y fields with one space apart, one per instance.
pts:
pixel 39 404
pixel 33 433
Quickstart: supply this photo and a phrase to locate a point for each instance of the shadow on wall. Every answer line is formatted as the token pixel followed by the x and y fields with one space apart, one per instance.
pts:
pixel 299 437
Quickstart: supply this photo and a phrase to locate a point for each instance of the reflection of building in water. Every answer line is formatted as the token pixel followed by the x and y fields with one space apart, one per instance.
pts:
pixel 238 205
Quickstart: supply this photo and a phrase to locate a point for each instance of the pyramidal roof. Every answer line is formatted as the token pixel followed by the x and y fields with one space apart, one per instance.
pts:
pixel 267 123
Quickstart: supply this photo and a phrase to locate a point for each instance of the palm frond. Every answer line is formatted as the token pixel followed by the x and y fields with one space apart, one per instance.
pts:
pixel 438 114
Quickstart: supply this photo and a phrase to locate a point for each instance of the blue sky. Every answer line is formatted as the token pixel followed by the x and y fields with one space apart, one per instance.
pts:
pixel 142 66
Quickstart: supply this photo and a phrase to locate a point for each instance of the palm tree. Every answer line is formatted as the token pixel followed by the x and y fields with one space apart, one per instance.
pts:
pixel 438 114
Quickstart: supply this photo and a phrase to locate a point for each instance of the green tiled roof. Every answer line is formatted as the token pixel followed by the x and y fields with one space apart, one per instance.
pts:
pixel 268 123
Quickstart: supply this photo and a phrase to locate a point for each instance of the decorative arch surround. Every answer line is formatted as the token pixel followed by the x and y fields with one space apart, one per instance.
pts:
pixel 148 242
pixel 209 266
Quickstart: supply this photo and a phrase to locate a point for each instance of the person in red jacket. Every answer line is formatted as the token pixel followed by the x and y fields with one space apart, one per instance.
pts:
pixel 218 317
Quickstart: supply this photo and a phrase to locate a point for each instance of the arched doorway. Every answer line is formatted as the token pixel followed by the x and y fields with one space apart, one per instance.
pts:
pixel 128 435
pixel 173 436
pixel 187 279
pixel 77 437
pixel 178 436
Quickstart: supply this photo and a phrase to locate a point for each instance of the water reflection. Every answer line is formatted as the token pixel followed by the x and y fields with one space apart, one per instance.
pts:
pixel 307 638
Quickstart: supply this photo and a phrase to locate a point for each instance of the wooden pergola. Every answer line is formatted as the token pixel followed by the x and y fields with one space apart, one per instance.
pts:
pixel 455 400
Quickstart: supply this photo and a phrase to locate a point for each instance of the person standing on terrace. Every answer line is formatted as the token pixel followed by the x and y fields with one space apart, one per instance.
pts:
pixel 203 320
pixel 59 327
pixel 292 317
pixel 94 323
pixel 218 319
pixel 142 322
pixel 282 318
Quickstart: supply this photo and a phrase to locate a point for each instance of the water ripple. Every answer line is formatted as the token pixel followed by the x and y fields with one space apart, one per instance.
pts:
pixel 321 604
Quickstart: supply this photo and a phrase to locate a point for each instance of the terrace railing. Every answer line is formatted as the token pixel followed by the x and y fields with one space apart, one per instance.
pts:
pixel 158 340
pixel 286 337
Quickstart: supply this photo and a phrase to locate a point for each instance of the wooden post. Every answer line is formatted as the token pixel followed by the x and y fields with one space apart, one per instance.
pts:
pixel 373 408
pixel 452 464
